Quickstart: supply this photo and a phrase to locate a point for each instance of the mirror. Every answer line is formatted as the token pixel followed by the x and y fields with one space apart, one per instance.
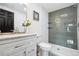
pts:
pixel 20 14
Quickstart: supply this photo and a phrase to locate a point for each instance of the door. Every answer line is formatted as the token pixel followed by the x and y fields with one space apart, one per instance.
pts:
pixel 63 27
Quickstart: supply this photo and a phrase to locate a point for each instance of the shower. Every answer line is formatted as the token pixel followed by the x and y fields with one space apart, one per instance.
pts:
pixel 63 27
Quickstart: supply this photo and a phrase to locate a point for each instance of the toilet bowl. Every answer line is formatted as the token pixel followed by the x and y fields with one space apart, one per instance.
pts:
pixel 44 48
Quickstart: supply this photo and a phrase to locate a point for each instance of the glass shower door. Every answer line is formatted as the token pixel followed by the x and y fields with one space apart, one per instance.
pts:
pixel 63 27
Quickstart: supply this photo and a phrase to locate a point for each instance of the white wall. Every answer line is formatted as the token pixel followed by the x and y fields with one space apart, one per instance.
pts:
pixel 19 17
pixel 39 27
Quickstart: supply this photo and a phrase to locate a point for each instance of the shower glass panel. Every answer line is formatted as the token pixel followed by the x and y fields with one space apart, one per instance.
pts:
pixel 63 27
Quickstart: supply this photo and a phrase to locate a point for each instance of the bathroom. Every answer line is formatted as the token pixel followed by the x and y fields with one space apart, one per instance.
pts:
pixel 54 28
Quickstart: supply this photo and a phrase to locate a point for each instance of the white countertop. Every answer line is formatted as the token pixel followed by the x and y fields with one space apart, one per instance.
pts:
pixel 13 35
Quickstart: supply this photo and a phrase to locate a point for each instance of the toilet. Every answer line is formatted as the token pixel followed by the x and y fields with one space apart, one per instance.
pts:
pixel 44 49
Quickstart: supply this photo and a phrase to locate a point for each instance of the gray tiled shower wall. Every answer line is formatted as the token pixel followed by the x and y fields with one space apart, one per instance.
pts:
pixel 63 27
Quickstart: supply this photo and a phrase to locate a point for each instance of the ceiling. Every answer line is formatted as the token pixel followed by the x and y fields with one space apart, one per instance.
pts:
pixel 15 6
pixel 48 6
pixel 54 6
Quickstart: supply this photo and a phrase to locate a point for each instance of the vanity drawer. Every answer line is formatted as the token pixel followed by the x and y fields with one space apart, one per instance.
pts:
pixel 11 48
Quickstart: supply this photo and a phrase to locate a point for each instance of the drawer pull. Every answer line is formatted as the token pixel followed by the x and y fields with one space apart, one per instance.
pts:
pixel 18 46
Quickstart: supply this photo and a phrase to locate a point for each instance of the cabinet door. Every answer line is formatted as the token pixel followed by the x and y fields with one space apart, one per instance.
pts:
pixel 2 21
pixel 31 50
pixel 20 53
pixel 2 12
pixel 10 24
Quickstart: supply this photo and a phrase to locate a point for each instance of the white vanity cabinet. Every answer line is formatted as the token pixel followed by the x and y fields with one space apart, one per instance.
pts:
pixel 19 46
